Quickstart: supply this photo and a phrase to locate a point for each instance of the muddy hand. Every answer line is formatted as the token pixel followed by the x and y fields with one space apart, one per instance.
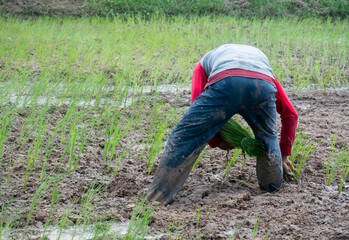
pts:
pixel 289 170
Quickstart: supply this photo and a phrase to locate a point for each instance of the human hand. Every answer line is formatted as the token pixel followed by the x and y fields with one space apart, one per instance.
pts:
pixel 289 170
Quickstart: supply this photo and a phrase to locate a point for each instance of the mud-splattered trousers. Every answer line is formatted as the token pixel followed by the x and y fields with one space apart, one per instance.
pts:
pixel 254 100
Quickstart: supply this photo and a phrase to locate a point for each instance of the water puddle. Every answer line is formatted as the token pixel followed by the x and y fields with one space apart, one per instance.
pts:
pixel 78 233
pixel 112 231
pixel 302 106
pixel 25 100
pixel 332 188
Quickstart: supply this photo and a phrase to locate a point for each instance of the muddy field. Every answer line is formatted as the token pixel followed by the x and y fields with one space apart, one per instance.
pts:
pixel 303 209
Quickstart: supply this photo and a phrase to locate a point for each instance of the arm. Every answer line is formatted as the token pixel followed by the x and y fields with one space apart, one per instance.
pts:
pixel 198 83
pixel 289 119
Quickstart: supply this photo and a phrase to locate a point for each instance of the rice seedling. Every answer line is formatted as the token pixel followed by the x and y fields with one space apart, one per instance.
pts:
pixel 117 131
pixel 101 230
pixel 64 219
pixel 149 138
pixel 301 152
pixel 119 160
pixel 266 237
pixel 48 151
pixel 139 221
pixel 344 158
pixel 73 160
pixel 206 149
pixel 54 200
pixel 3 133
pixel 174 228
pixel 238 137
pixel 256 225
pixel 8 221
pixel 39 193
pixel 33 153
pixel 237 229
pixel 74 135
pixel 331 158
pixel 157 144
pixel 86 206
pixel 198 223
pixel 334 163
pixel 338 164
pixel 232 161
pixel 2 220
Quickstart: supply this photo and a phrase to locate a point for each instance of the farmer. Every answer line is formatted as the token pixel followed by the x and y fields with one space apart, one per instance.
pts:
pixel 228 80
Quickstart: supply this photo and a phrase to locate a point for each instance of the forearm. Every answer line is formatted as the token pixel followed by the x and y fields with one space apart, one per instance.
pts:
pixel 289 120
pixel 288 132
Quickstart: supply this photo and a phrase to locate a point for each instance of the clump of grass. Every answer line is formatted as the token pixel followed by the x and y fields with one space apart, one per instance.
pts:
pixel 256 225
pixel 55 196
pixel 8 221
pixel 338 164
pixel 86 206
pixel 344 158
pixel 302 150
pixel 40 192
pixel 157 144
pixel 232 161
pixel 3 133
pixel 240 137
pixel 329 166
pixel 139 221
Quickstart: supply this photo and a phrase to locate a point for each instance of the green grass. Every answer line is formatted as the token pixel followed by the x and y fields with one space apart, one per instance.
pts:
pixel 302 150
pixel 337 164
pixel 148 8
pixel 83 51
pixel 232 161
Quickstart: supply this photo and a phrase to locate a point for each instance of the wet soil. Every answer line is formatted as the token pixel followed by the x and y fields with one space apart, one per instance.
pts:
pixel 207 207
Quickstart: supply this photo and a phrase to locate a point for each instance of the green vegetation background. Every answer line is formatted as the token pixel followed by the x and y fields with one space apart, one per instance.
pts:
pixel 245 8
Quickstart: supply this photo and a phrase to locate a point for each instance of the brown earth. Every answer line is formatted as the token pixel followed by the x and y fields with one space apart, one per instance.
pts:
pixel 303 209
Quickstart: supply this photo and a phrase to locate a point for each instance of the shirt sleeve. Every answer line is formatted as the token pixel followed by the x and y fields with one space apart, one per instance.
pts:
pixel 198 83
pixel 289 120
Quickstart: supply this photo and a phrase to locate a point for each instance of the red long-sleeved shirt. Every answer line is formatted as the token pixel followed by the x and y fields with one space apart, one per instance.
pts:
pixel 289 116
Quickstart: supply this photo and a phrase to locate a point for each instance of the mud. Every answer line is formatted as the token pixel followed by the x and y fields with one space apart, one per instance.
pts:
pixel 207 207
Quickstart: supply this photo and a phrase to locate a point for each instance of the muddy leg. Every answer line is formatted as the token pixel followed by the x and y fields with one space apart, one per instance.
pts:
pixel 261 116
pixel 204 118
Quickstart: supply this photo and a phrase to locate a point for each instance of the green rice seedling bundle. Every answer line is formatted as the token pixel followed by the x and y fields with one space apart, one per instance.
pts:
pixel 239 137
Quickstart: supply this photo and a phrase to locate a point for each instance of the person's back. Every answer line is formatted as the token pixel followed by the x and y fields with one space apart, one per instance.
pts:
pixel 231 79
pixel 236 56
